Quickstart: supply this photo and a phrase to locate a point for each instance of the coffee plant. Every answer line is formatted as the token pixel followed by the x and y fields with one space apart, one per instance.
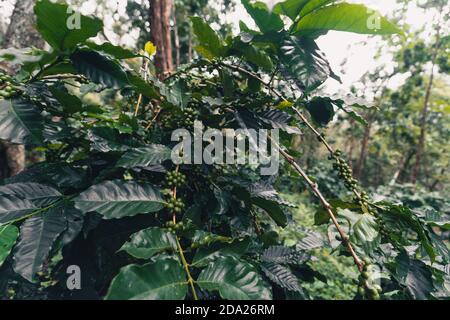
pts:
pixel 109 199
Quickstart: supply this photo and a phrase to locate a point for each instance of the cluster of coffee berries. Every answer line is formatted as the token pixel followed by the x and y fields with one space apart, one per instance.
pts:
pixel 177 227
pixel 175 179
pixel 344 170
pixel 366 289
pixel 175 205
pixel 8 88
pixel 182 119
pixel 382 226
pixel 364 199
pixel 189 115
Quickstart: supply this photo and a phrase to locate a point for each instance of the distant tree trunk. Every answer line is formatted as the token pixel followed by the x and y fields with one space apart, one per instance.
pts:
pixel 423 120
pixel 364 150
pixel 20 33
pixel 190 51
pixel 351 145
pixel 176 38
pixel 403 164
pixel 160 12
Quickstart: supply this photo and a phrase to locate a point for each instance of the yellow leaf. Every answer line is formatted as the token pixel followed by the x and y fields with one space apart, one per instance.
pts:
pixel 205 53
pixel 284 104
pixel 150 48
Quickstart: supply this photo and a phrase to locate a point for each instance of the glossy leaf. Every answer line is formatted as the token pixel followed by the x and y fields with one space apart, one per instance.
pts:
pixel 321 110
pixel 37 235
pixel 12 208
pixel 234 279
pixel 114 51
pixel 118 199
pixel 8 237
pixel 304 63
pixel 20 121
pixel 148 242
pixel 214 250
pixel 99 69
pixel 281 276
pixel 163 279
pixel 415 276
pixel 39 194
pixel 344 17
pixel 146 156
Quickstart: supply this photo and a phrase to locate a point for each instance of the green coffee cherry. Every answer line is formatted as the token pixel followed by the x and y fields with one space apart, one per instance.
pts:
pixel 175 179
pixel 175 205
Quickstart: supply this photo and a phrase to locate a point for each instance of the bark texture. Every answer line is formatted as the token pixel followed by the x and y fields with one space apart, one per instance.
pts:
pixel 21 33
pixel 160 13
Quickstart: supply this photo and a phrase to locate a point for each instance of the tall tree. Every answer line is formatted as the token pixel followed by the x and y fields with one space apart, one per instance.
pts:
pixel 439 4
pixel 160 13
pixel 21 33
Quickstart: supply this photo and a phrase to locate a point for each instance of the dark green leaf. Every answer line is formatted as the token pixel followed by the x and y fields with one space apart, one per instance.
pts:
pixel 37 235
pixel 12 208
pixel 281 276
pixel 142 157
pixel 284 255
pixel 304 63
pixel 207 254
pixel 164 279
pixel 234 279
pixel 20 121
pixel 415 275
pixel 118 199
pixel 39 194
pixel 278 119
pixel 148 242
pixel 99 69
pixel 321 110
pixel 114 51
pixel 70 103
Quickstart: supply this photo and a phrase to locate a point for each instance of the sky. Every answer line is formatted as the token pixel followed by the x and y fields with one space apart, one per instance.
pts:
pixel 357 50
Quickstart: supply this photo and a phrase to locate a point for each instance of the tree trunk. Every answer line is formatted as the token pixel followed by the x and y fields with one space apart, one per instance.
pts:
pixel 21 33
pixel 351 146
pixel 160 12
pixel 176 38
pixel 364 148
pixel 403 164
pixel 426 104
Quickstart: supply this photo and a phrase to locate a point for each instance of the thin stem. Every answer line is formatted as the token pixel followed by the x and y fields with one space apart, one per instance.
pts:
pixel 153 120
pixel 37 75
pixel 290 159
pixel 186 267
pixel 300 115
pixel 144 71
pixel 325 204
